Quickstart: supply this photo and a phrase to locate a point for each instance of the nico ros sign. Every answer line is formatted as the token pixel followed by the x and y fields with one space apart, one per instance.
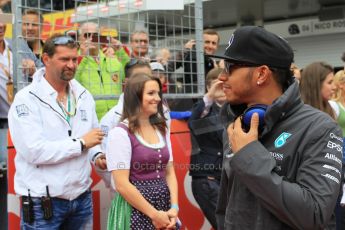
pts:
pixel 307 27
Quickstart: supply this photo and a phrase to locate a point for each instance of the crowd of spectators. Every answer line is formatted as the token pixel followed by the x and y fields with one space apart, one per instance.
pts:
pixel 103 65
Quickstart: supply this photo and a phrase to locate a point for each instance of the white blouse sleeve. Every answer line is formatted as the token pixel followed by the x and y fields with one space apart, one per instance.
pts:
pixel 168 142
pixel 119 150
pixel 167 136
pixel 335 107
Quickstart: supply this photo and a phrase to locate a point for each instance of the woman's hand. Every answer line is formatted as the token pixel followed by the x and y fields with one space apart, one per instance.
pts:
pixel 160 220
pixel 172 213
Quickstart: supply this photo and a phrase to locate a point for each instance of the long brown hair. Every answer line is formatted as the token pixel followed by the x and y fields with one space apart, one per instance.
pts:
pixel 133 97
pixel 310 86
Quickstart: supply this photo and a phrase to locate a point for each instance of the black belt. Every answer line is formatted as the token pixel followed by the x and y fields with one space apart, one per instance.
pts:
pixel 80 196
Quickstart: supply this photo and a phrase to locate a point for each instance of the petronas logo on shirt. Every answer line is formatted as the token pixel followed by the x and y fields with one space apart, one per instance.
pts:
pixel 281 140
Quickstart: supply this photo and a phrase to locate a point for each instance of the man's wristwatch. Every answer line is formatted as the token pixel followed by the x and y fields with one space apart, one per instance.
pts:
pixel 82 143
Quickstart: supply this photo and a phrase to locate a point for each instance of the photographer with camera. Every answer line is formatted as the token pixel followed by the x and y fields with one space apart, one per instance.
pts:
pixel 100 74
pixel 211 41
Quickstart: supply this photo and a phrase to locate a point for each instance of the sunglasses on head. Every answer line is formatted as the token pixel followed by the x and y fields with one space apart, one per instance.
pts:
pixel 72 33
pixel 133 62
pixel 63 40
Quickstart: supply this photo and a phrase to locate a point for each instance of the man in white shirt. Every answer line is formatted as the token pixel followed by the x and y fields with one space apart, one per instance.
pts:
pixel 55 131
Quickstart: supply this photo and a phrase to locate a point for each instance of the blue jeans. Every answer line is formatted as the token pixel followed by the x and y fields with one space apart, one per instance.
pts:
pixel 205 192
pixel 68 215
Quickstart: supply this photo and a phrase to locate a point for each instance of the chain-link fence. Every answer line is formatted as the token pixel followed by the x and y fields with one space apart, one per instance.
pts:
pixel 111 34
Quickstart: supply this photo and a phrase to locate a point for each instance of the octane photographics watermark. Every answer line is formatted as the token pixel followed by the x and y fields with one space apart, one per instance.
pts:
pixel 178 166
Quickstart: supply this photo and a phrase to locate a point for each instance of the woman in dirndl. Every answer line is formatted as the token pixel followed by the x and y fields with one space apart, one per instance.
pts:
pixel 141 161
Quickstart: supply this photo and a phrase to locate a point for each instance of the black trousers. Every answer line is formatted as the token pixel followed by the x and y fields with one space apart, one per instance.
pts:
pixel 205 191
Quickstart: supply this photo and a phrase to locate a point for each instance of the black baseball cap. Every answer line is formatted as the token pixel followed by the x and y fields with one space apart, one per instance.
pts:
pixel 255 45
